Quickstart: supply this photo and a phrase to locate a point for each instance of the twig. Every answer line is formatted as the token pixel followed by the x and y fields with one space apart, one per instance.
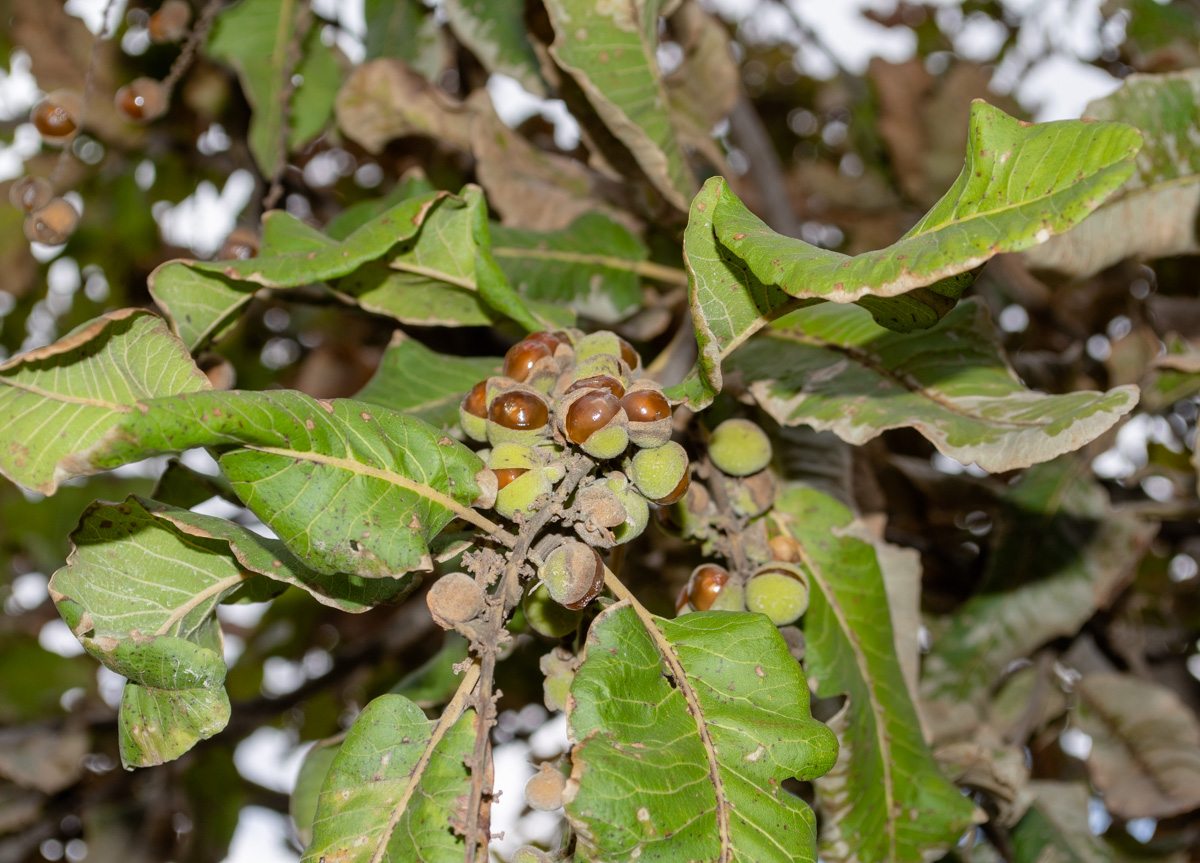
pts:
pixel 302 22
pixel 188 52
pixel 501 602
pixel 449 716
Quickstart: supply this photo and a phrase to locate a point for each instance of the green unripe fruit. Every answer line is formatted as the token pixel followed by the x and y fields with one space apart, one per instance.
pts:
pixel 508 455
pixel 474 427
pixel 544 790
pixel 521 494
pixel 600 364
pixel 530 854
pixel 739 448
pixel 637 511
pixel 558 668
pixel 602 342
pixel 455 598
pixel 780 591
pixel 660 474
pixel 547 617
pixel 600 514
pixel 573 574
pixel 608 442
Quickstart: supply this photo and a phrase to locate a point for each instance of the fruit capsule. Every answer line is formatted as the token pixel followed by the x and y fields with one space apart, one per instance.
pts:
pixel 522 492
pixel 649 414
pixel 547 617
pixel 589 413
pixel 661 473
pixel 573 574
pixel 544 790
pixel 523 356
pixel 57 116
pixel 710 588
pixel 169 23
pixel 778 590
pixel 738 447
pixel 52 224
pixel 455 598
pixel 637 511
pixel 599 382
pixel 628 354
pixel 518 410
pixel 750 495
pixel 550 340
pixel 475 402
pixel 505 475
pixel 30 193
pixel 142 100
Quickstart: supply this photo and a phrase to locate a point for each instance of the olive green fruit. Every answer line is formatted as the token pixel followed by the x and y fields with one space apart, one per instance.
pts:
pixel 658 472
pixel 637 511
pixel 573 574
pixel 547 617
pixel 530 854
pixel 558 670
pixel 544 790
pixel 600 513
pixel 739 448
pixel 455 598
pixel 610 441
pixel 522 493
pixel 602 342
pixel 508 455
pixel 600 364
pixel 751 495
pixel 778 590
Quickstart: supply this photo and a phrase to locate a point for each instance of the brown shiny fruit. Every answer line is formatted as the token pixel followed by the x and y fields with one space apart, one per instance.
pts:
pixel 599 382
pixel 550 340
pixel 705 584
pixel 628 354
pixel 142 100
pixel 505 475
pixel 589 413
pixel 169 23
pixel 57 116
pixel 522 357
pixel 30 193
pixel 52 224
pixel 518 410
pixel 646 406
pixel 476 401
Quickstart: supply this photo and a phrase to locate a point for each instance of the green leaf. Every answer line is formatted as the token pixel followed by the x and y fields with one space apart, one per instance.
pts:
pixel 445 274
pixel 173 698
pixel 271 558
pixel 140 596
pixel 413 184
pixel 313 771
pixel 1021 184
pixel 1145 755
pixel 312 103
pixel 255 37
pixel 832 367
pixel 609 50
pixel 348 486
pixel 692 768
pixel 592 266
pixel 1154 213
pixel 1056 828
pixel 494 31
pixel 59 399
pixel 394 759
pixel 886 799
pixel 200 297
pixel 408 30
pixel 415 380
pixel 1060 554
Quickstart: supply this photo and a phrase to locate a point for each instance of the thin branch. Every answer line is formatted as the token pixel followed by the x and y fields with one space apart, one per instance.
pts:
pixel 195 38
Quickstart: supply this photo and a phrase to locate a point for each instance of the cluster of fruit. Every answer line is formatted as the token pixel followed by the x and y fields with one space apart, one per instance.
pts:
pixel 59 115
pixel 740 453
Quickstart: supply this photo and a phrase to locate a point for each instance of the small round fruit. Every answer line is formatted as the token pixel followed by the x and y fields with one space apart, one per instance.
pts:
pixel 475 402
pixel 784 548
pixel 558 670
pixel 142 100
pixel 738 447
pixel 751 495
pixel 599 382
pixel 646 406
pixel 711 588
pixel 573 574
pixel 778 590
pixel 628 354
pixel 637 511
pixel 455 598
pixel 57 116
pixel 661 474
pixel 544 790
pixel 240 245
pixel 589 413
pixel 546 616
pixel 30 193
pixel 169 23
pixel 522 357
pixel 550 340
pixel 52 224
pixel 518 410
pixel 505 475
pixel 522 492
